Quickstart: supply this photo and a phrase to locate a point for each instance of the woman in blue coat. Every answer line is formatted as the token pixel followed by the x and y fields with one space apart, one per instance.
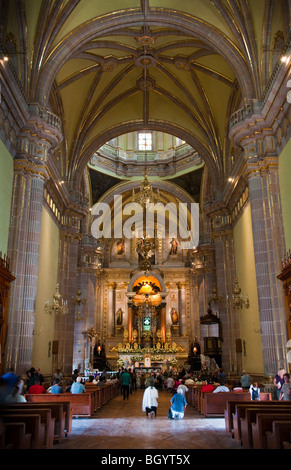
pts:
pixel 178 405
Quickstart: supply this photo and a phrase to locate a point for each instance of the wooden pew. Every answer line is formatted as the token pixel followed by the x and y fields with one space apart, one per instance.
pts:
pixel 213 404
pixel 81 403
pixel 240 413
pixel 280 433
pixel 45 418
pixel 33 425
pixel 57 412
pixel 263 424
pixel 67 409
pixel 16 437
pixel 230 408
pixel 250 418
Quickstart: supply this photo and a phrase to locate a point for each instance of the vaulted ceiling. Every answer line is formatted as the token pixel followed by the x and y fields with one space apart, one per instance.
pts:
pixel 112 67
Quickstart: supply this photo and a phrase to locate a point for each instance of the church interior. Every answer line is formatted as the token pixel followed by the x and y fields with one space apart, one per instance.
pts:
pixel 145 219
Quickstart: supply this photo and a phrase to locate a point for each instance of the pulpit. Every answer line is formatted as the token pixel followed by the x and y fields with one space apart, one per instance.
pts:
pixel 5 279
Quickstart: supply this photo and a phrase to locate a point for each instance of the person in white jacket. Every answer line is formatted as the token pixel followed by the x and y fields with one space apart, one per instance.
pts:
pixel 150 400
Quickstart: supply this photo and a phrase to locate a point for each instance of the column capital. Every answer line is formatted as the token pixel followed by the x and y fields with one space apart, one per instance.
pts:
pixel 181 285
pixel 256 168
pixel 111 284
pixel 41 133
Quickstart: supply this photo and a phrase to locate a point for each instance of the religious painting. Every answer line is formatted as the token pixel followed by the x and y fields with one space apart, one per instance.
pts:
pixel 174 316
pixel 147 361
pixel 120 247
pixel 119 316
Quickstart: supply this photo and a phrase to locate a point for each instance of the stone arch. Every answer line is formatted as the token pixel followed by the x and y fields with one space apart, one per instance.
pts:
pixel 167 127
pixel 169 18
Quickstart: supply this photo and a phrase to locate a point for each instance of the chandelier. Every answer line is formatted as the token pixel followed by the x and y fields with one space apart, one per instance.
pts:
pixel 146 194
pixel 237 298
pixel 58 306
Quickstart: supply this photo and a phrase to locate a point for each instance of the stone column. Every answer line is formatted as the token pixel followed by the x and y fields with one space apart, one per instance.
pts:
pixel 225 273
pixel 68 271
pixel 87 273
pixel 269 245
pixel 40 135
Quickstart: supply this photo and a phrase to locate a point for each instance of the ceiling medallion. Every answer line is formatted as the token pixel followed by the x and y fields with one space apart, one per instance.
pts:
pixel 109 64
pixel 145 61
pixel 181 63
pixel 146 40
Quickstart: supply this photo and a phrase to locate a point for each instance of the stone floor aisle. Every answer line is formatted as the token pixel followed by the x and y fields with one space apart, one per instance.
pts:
pixel 122 425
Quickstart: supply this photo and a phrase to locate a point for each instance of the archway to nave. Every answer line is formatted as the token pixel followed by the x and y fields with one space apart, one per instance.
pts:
pixel 148 325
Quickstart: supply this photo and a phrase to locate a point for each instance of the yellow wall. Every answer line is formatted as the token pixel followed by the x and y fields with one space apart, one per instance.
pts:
pixel 47 280
pixel 6 183
pixel 284 180
pixel 249 321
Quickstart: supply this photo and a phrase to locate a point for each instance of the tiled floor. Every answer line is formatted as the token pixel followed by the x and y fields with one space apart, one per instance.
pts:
pixel 123 425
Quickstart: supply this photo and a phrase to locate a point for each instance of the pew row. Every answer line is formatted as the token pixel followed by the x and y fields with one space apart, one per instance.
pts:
pixel 246 414
pixel 263 424
pixel 16 437
pixel 33 426
pixel 81 404
pixel 245 399
pixel 214 404
pixel 61 412
pixel 279 435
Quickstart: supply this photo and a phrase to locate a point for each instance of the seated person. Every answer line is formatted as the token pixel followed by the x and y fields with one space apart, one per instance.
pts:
pixel 78 387
pixel 56 388
pixel 15 396
pixel 208 387
pixel 221 388
pixel 237 387
pixel 36 388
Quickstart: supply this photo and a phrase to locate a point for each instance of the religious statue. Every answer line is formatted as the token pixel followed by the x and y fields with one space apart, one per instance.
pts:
pixel 174 246
pixel 174 316
pixel 120 247
pixel 119 316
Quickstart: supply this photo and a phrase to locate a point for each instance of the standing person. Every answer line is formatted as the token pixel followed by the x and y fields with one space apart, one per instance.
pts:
pixel 58 375
pixel 133 380
pixel 125 383
pixel 11 380
pixel 278 381
pixel 38 373
pixel 245 380
pixel 285 393
pixel 30 378
pixel 75 375
pixel 78 387
pixel 221 377
pixel 150 400
pixel 170 383
pixel 178 405
pixel 255 392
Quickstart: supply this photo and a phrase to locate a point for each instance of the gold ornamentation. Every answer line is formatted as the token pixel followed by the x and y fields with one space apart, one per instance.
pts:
pixel 58 306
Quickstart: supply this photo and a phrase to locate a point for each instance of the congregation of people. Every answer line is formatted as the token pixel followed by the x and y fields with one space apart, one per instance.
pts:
pixel 13 387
